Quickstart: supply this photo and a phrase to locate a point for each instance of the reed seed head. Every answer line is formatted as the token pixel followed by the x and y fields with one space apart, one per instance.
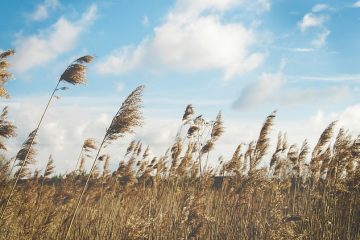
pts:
pixel 128 117
pixel 75 72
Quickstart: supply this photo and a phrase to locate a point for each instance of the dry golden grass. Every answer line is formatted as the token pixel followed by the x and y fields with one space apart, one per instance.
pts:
pixel 168 197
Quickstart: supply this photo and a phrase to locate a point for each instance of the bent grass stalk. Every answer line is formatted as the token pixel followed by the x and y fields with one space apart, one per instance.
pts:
pixel 127 117
pixel 74 74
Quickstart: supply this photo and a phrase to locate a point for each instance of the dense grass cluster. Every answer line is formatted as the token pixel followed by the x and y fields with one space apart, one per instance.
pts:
pixel 303 193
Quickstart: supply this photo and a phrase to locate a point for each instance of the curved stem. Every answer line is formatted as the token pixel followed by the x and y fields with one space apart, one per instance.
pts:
pixel 9 177
pixel 77 163
pixel 88 179
pixel 84 189
pixel 27 154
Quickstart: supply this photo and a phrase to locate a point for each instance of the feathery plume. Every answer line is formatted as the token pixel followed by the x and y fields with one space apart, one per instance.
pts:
pixel 131 147
pixel 218 128
pixel 128 116
pixel 262 143
pixel 234 165
pixel 75 72
pixel 27 153
pixel 25 156
pixel 189 111
pixel 82 164
pixel 7 129
pixel 49 167
pixel 146 152
pixel 89 144
pixel 4 74
pixel 106 171
pixel 125 120
pixel 175 153
pixel 324 139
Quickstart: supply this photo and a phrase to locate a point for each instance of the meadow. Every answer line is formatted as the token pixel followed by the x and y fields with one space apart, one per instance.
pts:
pixel 302 193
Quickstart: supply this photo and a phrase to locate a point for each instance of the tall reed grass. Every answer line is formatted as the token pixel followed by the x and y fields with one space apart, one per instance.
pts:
pixel 302 193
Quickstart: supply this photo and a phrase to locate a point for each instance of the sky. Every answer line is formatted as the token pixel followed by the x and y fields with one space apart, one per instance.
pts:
pixel 243 57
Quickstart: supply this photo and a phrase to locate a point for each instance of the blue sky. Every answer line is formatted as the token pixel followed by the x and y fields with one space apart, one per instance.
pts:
pixel 243 57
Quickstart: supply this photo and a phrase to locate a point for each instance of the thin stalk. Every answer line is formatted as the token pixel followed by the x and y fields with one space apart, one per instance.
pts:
pixel 80 155
pixel 13 165
pixel 27 154
pixel 41 186
pixel 88 179
pixel 84 189
pixel 9 176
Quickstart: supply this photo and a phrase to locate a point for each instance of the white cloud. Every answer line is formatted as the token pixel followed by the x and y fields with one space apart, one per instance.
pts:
pixel 311 20
pixel 357 4
pixel 314 20
pixel 46 45
pixel 205 43
pixel 259 92
pixel 145 22
pixel 190 40
pixel 320 41
pixel 347 118
pixel 303 50
pixel 42 10
pixel 71 120
pixel 320 7
pixel 121 60
pixel 197 6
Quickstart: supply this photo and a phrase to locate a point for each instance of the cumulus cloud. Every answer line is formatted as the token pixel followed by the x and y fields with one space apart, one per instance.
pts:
pixel 121 60
pixel 48 44
pixel 347 118
pixel 42 10
pixel 192 38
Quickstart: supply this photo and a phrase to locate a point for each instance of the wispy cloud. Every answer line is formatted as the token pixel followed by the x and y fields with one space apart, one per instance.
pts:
pixel 259 92
pixel 303 50
pixel 356 4
pixel 42 10
pixel 315 20
pixel 48 44
pixel 331 78
pixel 273 89
pixel 145 22
pixel 320 7
pixel 320 40
pixel 311 20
